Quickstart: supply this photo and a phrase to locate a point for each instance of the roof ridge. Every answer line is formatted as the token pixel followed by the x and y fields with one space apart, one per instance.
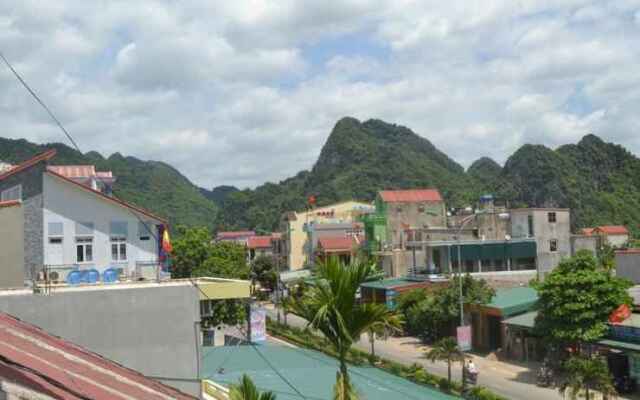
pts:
pixel 45 156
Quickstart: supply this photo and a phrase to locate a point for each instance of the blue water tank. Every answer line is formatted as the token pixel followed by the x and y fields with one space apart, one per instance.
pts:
pixel 110 275
pixel 91 276
pixel 74 277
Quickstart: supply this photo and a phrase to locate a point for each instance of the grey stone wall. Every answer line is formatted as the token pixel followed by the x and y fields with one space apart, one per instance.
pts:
pixel 32 203
pixel 628 266
pixel 152 330
pixel 415 215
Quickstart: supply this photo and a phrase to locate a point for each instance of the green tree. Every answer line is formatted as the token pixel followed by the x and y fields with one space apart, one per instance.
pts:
pixel 247 390
pixel 331 307
pixel 190 250
pixel 584 374
pixel 576 299
pixel 263 270
pixel 446 349
pixel 431 314
pixel 225 311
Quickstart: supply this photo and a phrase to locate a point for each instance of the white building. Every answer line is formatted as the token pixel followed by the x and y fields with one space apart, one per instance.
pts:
pixel 68 223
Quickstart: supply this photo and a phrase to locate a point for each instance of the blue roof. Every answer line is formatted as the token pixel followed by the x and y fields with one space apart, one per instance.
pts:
pixel 312 373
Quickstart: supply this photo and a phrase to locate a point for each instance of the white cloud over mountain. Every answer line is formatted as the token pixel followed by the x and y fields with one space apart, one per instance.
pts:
pixel 247 91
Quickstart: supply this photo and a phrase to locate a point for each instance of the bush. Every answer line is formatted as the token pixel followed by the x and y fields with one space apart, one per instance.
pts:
pixel 482 393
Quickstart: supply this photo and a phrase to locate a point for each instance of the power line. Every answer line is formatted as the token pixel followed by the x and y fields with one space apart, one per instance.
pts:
pixel 276 371
pixel 35 96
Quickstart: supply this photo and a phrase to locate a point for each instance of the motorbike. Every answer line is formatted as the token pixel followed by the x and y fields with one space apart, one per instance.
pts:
pixel 624 384
pixel 471 377
pixel 544 376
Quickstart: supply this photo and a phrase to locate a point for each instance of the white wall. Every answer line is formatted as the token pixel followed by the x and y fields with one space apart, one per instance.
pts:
pixel 65 202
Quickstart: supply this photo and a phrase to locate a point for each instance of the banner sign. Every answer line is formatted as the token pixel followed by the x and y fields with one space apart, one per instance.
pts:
pixel 258 322
pixel 464 338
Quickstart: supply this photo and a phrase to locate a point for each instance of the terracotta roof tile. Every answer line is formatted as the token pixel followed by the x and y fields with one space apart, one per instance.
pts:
pixel 339 243
pixel 613 229
pixel 234 234
pixel 410 196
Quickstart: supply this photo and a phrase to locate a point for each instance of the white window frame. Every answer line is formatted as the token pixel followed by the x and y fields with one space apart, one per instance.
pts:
pixel 84 242
pixel 119 244
pixel 7 194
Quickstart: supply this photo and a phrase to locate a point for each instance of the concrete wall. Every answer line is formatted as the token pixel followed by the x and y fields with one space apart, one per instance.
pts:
pixel 152 330
pixel 32 201
pixel 628 265
pixel 617 241
pixel 415 215
pixel 544 232
pixel 68 204
pixel 11 246
pixel 584 242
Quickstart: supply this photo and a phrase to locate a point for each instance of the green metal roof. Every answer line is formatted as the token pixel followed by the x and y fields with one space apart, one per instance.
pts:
pixel 620 345
pixel 312 373
pixel 388 283
pixel 526 320
pixel 514 301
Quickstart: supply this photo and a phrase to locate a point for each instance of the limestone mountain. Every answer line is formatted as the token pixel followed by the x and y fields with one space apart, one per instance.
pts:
pixel 153 185
pixel 357 160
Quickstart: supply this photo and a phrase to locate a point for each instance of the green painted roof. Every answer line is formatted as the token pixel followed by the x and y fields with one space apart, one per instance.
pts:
pixel 312 373
pixel 619 345
pixel 526 320
pixel 388 283
pixel 514 301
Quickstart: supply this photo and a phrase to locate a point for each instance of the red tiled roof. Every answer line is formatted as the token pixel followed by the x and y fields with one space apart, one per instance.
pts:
pixel 612 230
pixel 338 243
pixel 9 203
pixel 47 155
pixel 50 365
pixel 109 198
pixel 234 234
pixel 410 196
pixel 259 242
pixel 588 231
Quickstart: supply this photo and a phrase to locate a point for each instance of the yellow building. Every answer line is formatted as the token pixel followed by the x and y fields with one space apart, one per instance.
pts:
pixel 295 235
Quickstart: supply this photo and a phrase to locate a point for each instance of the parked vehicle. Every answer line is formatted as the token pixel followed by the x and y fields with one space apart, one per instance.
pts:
pixel 544 376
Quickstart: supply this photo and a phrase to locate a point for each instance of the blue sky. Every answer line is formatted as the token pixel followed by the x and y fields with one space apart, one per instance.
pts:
pixel 245 92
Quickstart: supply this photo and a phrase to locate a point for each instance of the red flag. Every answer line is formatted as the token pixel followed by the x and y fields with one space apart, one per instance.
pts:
pixel 620 314
pixel 166 242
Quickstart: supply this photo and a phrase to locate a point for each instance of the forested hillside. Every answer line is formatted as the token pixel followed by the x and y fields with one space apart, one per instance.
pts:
pixel 153 185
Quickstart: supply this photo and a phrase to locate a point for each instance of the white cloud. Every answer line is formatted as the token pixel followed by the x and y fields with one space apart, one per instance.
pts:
pixel 247 91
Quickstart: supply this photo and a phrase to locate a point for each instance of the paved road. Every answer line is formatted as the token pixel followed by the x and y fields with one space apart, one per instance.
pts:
pixel 509 380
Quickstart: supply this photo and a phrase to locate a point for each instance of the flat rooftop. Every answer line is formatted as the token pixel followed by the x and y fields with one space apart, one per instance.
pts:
pixel 312 373
pixel 210 288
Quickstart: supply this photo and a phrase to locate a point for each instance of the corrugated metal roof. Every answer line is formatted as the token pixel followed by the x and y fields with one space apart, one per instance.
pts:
pixel 259 242
pixel 338 243
pixel 48 363
pixel 234 234
pixel 526 320
pixel 515 300
pixel 410 196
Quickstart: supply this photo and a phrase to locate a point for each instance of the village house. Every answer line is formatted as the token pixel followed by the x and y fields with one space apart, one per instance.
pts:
pixel 616 236
pixel 66 219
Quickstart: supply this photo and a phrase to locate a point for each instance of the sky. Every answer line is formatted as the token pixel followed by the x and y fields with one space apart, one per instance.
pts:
pixel 244 92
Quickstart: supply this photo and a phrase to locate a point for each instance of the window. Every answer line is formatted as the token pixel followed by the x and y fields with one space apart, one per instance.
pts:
pixel 530 223
pixel 118 249
pixel 552 217
pixel 55 240
pixel 553 245
pixel 118 237
pixel 13 193
pixel 84 249
pixel 144 230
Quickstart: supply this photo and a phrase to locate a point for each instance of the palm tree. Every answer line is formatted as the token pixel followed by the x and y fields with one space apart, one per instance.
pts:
pixel 584 373
pixel 446 349
pixel 331 307
pixel 246 390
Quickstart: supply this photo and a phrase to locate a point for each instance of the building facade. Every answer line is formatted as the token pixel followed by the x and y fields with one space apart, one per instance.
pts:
pixel 69 224
pixel 296 229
